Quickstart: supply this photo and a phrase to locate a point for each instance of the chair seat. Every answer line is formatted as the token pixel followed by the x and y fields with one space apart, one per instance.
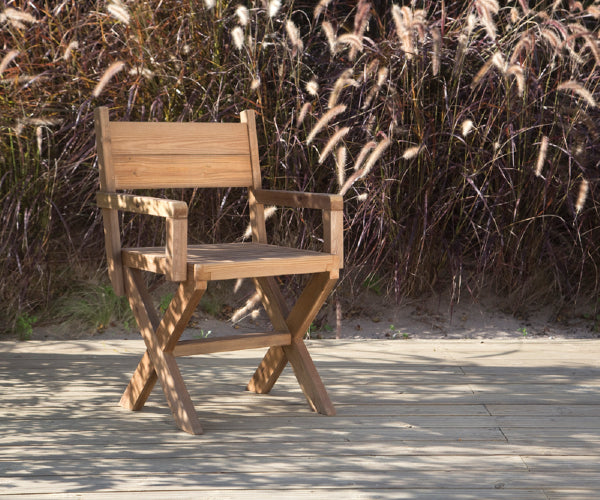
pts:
pixel 235 260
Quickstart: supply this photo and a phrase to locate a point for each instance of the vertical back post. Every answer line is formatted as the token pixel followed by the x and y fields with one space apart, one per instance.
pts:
pixel 257 210
pixel 110 217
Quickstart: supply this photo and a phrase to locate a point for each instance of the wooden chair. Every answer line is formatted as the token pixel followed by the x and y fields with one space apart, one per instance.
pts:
pixel 200 155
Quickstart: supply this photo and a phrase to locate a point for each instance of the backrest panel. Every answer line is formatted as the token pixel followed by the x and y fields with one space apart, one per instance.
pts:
pixel 148 155
pixel 176 138
pixel 180 171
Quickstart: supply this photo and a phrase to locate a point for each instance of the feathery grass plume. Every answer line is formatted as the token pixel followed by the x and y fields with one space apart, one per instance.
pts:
pixel 463 42
pixel 580 90
pixel 269 212
pixel 411 152
pixel 361 21
pixel 382 75
pixel 7 59
pixel 539 164
pixel 486 9
pixel 340 165
pixel 17 16
pixel 324 120
pixel 320 7
pixel 294 35
pixel 210 4
pixel 141 71
pixel 517 71
pixel 332 142
pixel 312 87
pixel 436 38
pixel 369 69
pixel 303 112
pixel 274 6
pixel 74 45
pixel 43 121
pixel 327 28
pixel 375 155
pixel 255 84
pixel 481 73
pixel 525 43
pixel 38 135
pixel 242 14
pixel 362 196
pixel 245 310
pixel 592 44
pixel 237 35
pixel 111 71
pixel 552 38
pixel 499 61
pixel 354 41
pixel 117 10
pixel 514 15
pixel 363 154
pixel 342 82
pixel 403 21
pixel 582 196
pixel 466 127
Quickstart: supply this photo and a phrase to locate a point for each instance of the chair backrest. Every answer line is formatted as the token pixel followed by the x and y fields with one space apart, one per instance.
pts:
pixel 148 155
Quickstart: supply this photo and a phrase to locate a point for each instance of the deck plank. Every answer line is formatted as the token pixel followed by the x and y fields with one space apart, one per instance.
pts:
pixel 431 420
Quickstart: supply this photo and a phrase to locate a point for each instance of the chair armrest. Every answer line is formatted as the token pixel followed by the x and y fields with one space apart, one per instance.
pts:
pixel 175 213
pixel 143 205
pixel 332 206
pixel 298 199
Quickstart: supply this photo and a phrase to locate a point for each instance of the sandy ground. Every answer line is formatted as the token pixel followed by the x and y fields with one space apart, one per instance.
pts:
pixel 375 318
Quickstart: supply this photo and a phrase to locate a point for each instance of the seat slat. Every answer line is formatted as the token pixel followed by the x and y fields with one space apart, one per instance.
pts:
pixel 176 138
pixel 231 343
pixel 235 260
pixel 180 171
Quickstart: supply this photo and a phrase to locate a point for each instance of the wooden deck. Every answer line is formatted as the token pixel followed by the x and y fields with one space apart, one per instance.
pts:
pixel 416 419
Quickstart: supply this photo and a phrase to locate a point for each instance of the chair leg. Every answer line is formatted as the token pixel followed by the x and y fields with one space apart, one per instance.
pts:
pixel 158 362
pixel 297 322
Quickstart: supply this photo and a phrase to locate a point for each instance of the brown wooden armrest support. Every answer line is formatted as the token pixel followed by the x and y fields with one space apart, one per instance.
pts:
pixel 175 213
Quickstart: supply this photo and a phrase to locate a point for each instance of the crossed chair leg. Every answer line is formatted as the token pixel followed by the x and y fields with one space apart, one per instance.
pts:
pixel 161 337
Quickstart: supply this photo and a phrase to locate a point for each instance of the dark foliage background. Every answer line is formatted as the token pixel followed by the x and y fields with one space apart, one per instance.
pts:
pixel 478 125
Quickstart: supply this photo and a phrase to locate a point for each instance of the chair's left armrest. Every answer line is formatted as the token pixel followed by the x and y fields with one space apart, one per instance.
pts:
pixel 175 212
pixel 298 199
pixel 332 206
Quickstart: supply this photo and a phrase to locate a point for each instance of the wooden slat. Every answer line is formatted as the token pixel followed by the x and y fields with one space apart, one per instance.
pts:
pixel 152 171
pixel 235 260
pixel 230 343
pixel 179 138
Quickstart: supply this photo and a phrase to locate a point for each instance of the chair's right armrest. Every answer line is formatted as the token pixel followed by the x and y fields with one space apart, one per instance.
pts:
pixel 299 199
pixel 175 212
pixel 148 205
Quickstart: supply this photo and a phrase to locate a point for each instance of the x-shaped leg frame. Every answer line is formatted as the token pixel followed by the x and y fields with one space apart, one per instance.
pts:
pixel 161 337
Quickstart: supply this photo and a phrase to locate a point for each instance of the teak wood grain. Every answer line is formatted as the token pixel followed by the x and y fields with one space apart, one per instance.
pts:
pixel 205 155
